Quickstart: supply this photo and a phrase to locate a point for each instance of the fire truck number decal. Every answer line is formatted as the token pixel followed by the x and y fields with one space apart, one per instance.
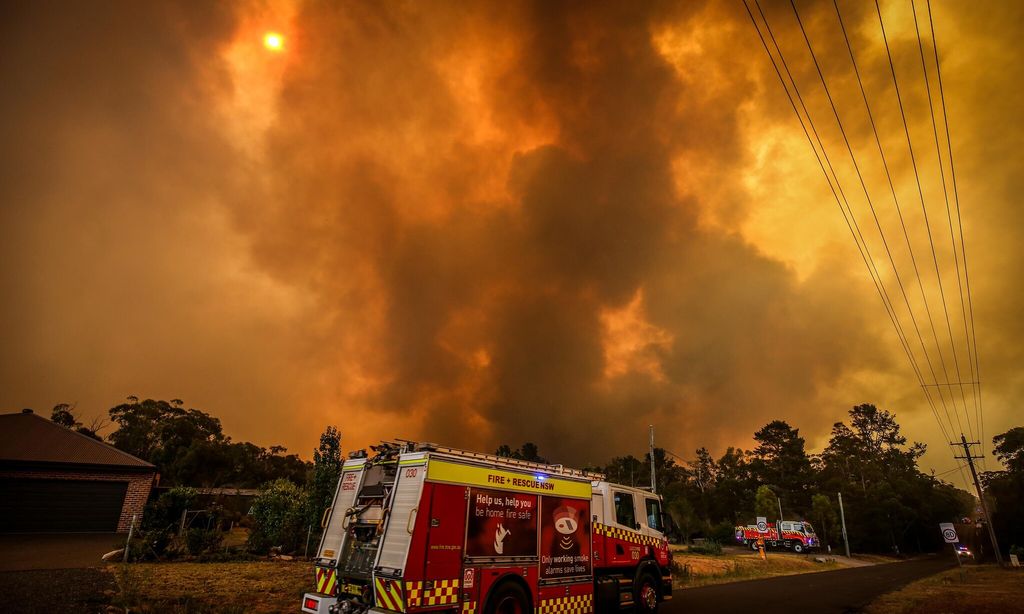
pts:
pixel 565 538
pixel 501 524
pixel 349 481
pixel 411 472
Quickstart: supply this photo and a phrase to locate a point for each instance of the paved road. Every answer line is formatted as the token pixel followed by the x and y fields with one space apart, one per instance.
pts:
pixel 841 591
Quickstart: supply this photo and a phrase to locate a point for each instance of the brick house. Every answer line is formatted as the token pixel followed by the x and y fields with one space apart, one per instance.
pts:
pixel 54 480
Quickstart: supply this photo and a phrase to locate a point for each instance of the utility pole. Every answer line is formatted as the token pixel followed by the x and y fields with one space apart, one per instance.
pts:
pixel 981 495
pixel 842 518
pixel 779 527
pixel 654 487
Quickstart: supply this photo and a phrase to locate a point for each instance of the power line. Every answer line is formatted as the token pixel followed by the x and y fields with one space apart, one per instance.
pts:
pixel 869 262
pixel 885 165
pixel 850 220
pixel 963 246
pixel 949 216
pixel 892 188
pixel 924 211
pixel 867 196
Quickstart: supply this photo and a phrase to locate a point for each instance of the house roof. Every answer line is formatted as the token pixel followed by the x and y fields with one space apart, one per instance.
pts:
pixel 28 439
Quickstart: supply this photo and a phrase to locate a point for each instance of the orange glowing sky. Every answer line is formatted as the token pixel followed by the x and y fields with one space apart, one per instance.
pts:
pixel 487 223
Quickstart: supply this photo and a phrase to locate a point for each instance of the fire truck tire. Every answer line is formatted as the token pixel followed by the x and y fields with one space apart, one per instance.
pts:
pixel 798 547
pixel 645 593
pixel 508 598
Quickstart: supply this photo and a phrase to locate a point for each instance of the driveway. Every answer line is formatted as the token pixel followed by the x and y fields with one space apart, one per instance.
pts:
pixel 34 551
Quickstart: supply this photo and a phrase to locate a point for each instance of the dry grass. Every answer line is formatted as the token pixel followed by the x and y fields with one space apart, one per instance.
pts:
pixel 702 570
pixel 984 588
pixel 257 587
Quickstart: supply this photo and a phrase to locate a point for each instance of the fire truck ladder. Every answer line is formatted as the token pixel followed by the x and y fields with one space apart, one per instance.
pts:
pixel 364 533
pixel 556 469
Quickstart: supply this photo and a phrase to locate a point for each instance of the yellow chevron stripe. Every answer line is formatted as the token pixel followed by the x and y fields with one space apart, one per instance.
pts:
pixel 396 596
pixel 383 599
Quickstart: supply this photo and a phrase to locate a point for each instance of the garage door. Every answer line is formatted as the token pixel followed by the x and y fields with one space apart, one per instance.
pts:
pixel 59 506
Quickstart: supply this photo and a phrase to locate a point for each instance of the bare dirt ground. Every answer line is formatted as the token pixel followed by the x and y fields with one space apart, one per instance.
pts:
pixel 975 588
pixel 85 591
pixel 258 587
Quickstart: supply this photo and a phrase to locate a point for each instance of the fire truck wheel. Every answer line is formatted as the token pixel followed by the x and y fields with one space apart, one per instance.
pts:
pixel 509 598
pixel 646 593
pixel 798 547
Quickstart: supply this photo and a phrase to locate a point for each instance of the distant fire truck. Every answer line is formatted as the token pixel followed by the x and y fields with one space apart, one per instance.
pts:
pixel 423 528
pixel 796 536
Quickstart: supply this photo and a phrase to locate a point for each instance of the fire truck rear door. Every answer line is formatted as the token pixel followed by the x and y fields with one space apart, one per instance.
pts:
pixel 394 548
pixel 348 485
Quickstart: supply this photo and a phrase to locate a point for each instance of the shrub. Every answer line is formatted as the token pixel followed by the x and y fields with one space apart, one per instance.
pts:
pixel 709 546
pixel 199 540
pixel 723 533
pixel 149 545
pixel 166 511
pixel 278 518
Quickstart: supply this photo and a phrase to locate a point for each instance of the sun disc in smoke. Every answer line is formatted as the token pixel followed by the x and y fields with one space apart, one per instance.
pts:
pixel 273 41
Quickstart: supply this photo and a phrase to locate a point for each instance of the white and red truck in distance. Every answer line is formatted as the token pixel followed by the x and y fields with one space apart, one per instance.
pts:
pixel 423 528
pixel 798 536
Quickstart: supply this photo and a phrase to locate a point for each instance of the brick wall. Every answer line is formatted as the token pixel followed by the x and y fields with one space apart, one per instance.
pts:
pixel 139 485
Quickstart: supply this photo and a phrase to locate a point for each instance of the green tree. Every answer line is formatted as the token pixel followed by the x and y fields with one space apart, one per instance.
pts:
pixel 327 463
pixel 685 517
pixel 891 505
pixel 780 460
pixel 189 447
pixel 64 415
pixel 1005 488
pixel 824 515
pixel 765 503
pixel 528 452
pixel 627 470
pixel 734 488
pixel 1009 448
pixel 278 516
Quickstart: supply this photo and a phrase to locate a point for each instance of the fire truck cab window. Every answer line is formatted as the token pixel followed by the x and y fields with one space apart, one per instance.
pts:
pixel 654 514
pixel 625 513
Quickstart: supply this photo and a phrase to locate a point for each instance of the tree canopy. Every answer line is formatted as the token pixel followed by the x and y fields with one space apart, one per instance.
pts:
pixel 189 448
pixel 1005 489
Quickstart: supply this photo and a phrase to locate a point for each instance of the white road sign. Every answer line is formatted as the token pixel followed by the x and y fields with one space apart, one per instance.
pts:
pixel 762 524
pixel 948 532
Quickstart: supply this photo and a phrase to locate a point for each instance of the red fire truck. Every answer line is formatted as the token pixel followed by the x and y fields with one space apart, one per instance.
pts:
pixel 423 528
pixel 796 536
